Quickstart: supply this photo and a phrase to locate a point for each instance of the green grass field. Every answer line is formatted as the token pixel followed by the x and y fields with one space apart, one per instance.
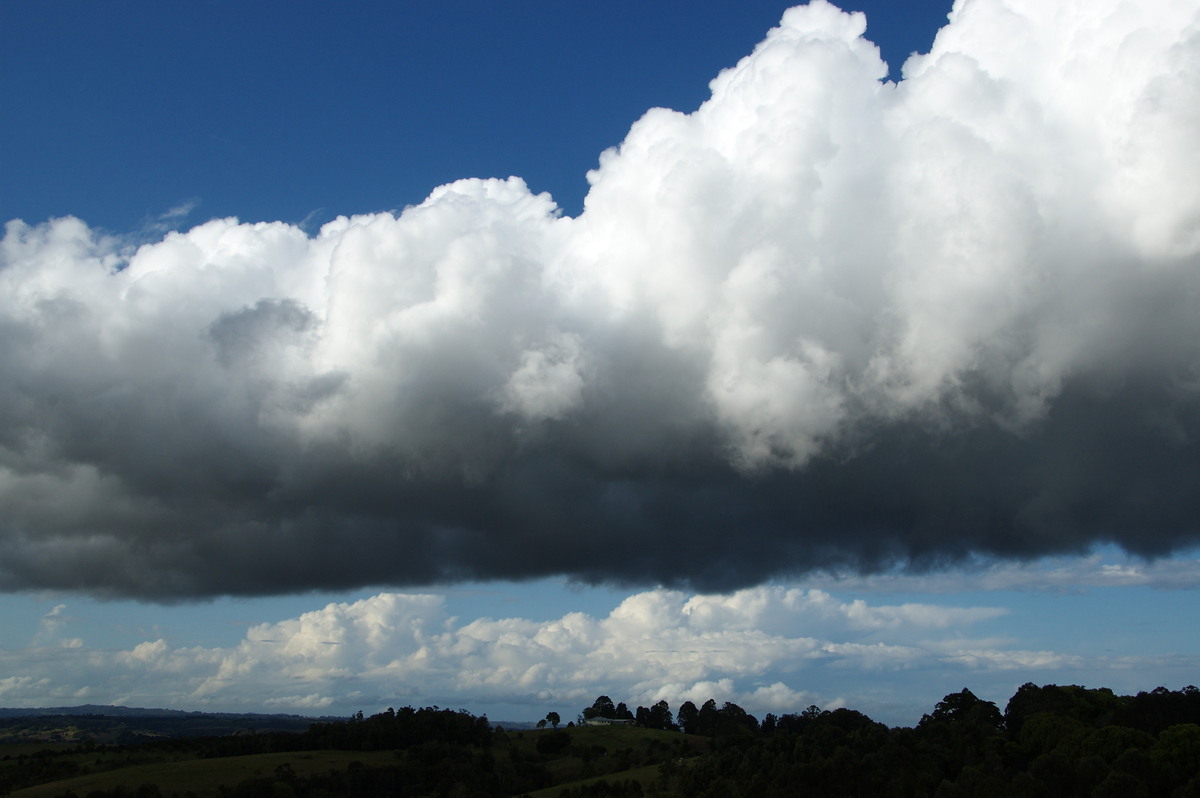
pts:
pixel 611 753
pixel 204 777
pixel 646 776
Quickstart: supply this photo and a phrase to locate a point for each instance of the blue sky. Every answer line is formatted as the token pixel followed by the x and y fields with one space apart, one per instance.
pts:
pixel 296 111
pixel 844 389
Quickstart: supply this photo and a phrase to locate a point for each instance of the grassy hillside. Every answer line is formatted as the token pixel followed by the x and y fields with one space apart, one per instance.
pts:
pixel 595 752
pixel 532 762
pixel 202 777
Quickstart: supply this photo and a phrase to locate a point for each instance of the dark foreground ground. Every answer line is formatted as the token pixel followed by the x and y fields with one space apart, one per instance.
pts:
pixel 1049 741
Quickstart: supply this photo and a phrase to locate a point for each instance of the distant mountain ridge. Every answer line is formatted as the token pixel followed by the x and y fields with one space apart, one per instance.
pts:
pixel 120 724
pixel 108 710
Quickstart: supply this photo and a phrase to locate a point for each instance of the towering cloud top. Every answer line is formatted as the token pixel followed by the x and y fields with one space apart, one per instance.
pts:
pixel 824 321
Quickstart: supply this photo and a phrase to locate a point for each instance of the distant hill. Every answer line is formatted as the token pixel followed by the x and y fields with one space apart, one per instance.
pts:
pixel 114 724
pixel 117 724
pixel 139 712
pixel 514 725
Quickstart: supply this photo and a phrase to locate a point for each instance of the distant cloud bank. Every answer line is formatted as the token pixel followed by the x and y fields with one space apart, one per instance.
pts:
pixel 750 646
pixel 769 648
pixel 824 322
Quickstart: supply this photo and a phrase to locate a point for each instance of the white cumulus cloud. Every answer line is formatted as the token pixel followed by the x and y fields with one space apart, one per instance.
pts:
pixel 824 321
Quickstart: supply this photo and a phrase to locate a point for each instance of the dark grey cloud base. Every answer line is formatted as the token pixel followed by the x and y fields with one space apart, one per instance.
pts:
pixel 1102 467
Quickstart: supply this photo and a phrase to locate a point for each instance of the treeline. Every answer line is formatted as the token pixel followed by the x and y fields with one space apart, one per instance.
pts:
pixel 1151 712
pixel 401 729
pixel 708 720
pixel 393 730
pixel 1050 741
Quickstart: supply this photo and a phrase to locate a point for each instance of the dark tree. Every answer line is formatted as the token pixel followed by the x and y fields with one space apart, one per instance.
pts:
pixel 602 707
pixel 660 716
pixel 1090 707
pixel 964 706
pixel 706 718
pixel 689 718
pixel 732 719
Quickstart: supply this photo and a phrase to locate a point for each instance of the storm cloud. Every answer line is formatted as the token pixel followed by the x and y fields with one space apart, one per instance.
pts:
pixel 825 321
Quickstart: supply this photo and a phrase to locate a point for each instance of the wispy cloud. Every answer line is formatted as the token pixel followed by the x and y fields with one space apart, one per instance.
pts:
pixel 1065 574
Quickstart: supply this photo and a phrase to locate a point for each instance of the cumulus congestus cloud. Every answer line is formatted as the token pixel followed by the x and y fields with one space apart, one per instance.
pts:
pixel 823 321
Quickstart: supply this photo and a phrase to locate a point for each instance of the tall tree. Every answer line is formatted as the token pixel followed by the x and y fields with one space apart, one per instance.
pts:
pixel 602 707
pixel 660 716
pixel 688 717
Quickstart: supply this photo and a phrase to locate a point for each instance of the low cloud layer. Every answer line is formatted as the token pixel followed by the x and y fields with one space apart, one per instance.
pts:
pixel 770 649
pixel 825 321
pixel 765 648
